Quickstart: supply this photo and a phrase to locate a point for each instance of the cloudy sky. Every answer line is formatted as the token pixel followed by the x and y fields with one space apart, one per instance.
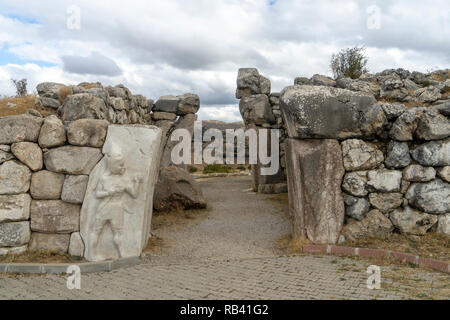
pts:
pixel 160 47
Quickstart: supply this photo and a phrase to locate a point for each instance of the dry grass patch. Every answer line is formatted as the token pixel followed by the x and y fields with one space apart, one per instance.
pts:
pixel 155 244
pixel 43 256
pixel 176 217
pixel 431 245
pixel 22 105
pixel 288 245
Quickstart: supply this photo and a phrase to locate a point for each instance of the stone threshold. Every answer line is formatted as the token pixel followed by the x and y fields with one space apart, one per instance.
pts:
pixel 61 268
pixel 220 174
pixel 378 253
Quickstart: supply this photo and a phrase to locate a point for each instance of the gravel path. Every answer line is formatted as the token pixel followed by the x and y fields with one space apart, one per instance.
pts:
pixel 238 224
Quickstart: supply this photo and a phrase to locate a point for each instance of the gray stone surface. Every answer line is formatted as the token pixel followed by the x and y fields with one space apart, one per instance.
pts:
pixel 163 116
pixel 46 185
pixel 411 221
pixel 53 133
pixel 52 90
pixel 406 124
pixel 444 173
pixel 14 178
pixel 177 189
pixel 385 202
pixel 15 207
pixel 433 153
pixel 72 159
pixel 360 155
pixel 117 210
pixel 321 80
pixel 326 112
pixel 83 106
pixel 430 197
pixel 76 245
pixel 189 103
pixel 13 251
pixel 355 183
pixel 19 129
pixel 374 225
pixel 28 153
pixel 433 126
pixel 316 205
pixel 444 224
pixel 384 180
pixel 356 207
pixel 167 104
pixel 49 242
pixel 14 234
pixel 250 82
pixel 5 153
pixel 54 216
pixel 393 110
pixel 74 188
pixel 256 109
pixel 87 132
pixel 418 173
pixel 397 155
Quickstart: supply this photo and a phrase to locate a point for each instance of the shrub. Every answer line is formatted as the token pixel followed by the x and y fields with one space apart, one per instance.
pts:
pixel 350 62
pixel 21 87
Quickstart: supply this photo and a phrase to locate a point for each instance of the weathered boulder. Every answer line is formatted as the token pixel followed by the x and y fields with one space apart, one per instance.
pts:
pixel 54 216
pixel 28 153
pixel 385 202
pixel 429 94
pixel 359 155
pixel 444 173
pixel 430 197
pixel 167 104
pixel 397 155
pixel 316 205
pixel 74 188
pixel 14 234
pixel 433 126
pixel 374 225
pixel 19 129
pixel 444 224
pixel 13 250
pixel 320 80
pixel 5 153
pixel 46 185
pixel 417 173
pixel 256 109
pixel 14 178
pixel 15 207
pixel 326 112
pixel 119 91
pixel 300 81
pixel 87 132
pixel 53 133
pixel 83 106
pixel 411 221
pixel 359 85
pixel 72 159
pixel 405 126
pixel 49 242
pixel 117 103
pixel 53 90
pixel 384 180
pixel 355 183
pixel 47 102
pixel 189 103
pixel 444 108
pixel 76 245
pixel 250 82
pixel 163 116
pixel 393 110
pixel 177 189
pixel 356 207
pixel 433 153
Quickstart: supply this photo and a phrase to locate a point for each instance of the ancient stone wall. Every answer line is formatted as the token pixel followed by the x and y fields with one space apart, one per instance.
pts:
pixel 393 130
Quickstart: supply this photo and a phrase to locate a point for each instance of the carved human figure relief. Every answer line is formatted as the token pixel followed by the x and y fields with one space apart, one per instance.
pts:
pixel 112 191
pixel 116 213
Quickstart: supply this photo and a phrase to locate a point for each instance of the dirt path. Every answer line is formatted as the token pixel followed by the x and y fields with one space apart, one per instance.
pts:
pixel 237 224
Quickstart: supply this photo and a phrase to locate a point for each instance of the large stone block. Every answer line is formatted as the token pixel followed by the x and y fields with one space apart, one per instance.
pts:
pixel 189 103
pixel 46 185
pixel 72 159
pixel 256 109
pixel 87 132
pixel 384 180
pixel 15 207
pixel 417 173
pixel 250 82
pixel 53 133
pixel 117 209
pixel 360 155
pixel 28 153
pixel 14 178
pixel 326 112
pixel 14 234
pixel 54 216
pixel 374 225
pixel 167 104
pixel 83 106
pixel 411 221
pixel 316 205
pixel 19 129
pixel 431 197
pixel 76 246
pixel 49 242
pixel 74 188
pixel 444 225
pixel 433 153
pixel 386 202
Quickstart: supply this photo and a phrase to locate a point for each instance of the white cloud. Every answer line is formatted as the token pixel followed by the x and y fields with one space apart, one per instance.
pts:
pixel 177 46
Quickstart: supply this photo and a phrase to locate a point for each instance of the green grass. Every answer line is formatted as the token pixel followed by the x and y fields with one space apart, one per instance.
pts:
pixel 216 168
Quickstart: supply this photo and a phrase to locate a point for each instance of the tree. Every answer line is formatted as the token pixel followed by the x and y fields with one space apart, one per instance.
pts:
pixel 21 87
pixel 350 62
